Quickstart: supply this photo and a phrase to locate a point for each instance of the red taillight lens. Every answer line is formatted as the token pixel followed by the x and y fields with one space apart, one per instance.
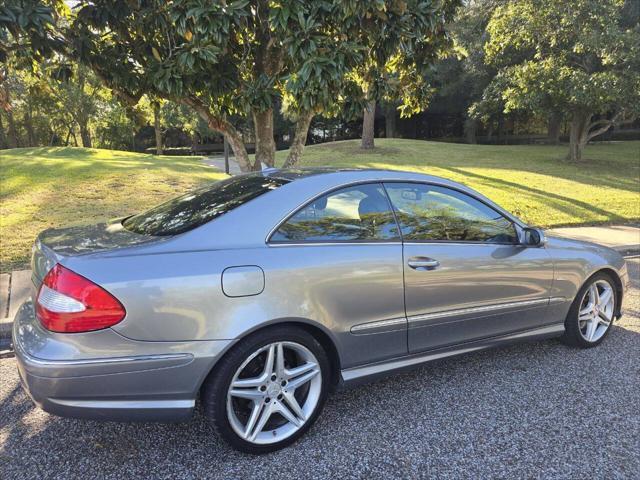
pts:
pixel 68 303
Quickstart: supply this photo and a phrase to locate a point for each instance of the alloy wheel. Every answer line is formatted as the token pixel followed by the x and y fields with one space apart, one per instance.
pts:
pixel 596 310
pixel 274 392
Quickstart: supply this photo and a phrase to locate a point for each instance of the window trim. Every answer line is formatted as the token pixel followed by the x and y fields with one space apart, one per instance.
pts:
pixel 461 242
pixel 517 223
pixel 291 214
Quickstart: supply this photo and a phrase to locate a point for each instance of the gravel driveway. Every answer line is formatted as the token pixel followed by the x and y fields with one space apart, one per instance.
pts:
pixel 538 410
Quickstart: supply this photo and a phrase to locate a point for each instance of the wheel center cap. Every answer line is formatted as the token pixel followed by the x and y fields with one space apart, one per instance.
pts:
pixel 273 389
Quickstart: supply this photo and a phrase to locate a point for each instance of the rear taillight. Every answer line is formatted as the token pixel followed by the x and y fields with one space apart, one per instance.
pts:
pixel 69 303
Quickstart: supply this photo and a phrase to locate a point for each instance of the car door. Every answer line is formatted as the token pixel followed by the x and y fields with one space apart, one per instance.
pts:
pixel 340 260
pixel 466 276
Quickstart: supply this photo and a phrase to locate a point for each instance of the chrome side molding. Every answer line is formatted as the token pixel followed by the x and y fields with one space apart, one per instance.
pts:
pixel 484 309
pixel 380 326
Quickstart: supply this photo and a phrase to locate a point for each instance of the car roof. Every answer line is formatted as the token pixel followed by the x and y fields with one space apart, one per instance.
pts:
pixel 250 224
pixel 348 174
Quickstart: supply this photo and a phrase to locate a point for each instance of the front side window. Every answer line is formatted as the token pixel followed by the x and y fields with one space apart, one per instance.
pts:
pixel 356 213
pixel 432 213
pixel 201 205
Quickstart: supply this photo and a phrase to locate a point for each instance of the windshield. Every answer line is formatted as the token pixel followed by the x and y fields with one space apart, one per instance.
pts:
pixel 201 206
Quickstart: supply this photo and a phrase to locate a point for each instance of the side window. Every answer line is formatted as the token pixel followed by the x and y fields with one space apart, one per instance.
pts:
pixel 357 213
pixel 429 212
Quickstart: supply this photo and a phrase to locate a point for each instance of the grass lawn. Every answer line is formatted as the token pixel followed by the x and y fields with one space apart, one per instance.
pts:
pixel 532 181
pixel 52 187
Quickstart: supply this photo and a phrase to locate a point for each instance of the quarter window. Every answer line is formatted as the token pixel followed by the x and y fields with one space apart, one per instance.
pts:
pixel 202 205
pixel 356 213
pixel 432 213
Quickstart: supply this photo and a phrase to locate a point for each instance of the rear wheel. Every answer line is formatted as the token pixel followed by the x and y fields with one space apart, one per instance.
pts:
pixel 591 315
pixel 268 390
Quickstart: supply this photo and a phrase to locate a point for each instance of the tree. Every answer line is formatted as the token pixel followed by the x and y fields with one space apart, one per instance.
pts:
pixel 223 59
pixel 402 39
pixel 234 59
pixel 581 59
pixel 157 127
pixel 27 35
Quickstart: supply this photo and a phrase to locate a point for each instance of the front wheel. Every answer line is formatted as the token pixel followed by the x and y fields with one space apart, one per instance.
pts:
pixel 591 315
pixel 268 390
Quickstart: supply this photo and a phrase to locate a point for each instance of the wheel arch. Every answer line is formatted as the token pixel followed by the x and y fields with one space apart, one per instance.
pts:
pixel 617 281
pixel 320 333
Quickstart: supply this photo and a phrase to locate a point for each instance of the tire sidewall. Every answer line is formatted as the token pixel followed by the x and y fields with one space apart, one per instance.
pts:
pixel 217 384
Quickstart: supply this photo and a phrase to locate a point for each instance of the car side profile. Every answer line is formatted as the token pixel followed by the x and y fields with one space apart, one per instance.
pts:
pixel 261 293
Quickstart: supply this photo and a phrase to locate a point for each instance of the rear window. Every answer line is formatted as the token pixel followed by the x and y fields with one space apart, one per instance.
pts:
pixel 200 206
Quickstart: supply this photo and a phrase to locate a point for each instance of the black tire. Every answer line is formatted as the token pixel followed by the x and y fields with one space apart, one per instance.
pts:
pixel 572 335
pixel 216 386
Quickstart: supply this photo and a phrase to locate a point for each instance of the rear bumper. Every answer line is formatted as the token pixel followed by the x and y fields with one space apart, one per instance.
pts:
pixel 103 375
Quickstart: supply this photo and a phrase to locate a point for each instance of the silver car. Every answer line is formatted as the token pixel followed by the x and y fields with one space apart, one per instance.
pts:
pixel 261 293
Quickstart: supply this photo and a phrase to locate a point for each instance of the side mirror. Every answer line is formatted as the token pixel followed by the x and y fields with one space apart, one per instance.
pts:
pixel 533 237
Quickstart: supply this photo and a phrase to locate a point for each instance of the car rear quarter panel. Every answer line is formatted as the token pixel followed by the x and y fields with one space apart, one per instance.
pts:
pixel 179 297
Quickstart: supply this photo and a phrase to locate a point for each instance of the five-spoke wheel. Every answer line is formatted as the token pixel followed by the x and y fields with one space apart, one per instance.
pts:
pixel 596 310
pixel 268 390
pixel 273 392
pixel 592 312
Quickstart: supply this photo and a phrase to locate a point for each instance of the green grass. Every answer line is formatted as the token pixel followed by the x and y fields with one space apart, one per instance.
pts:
pixel 532 181
pixel 53 187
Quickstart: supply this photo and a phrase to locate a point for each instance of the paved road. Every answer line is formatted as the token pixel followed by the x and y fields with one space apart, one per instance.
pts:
pixel 539 410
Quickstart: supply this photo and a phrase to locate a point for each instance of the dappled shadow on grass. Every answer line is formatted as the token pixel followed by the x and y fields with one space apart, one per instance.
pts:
pixel 618 171
pixel 55 189
pixel 34 167
pixel 568 205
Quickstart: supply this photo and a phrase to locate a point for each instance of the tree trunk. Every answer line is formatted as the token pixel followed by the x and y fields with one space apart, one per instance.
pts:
pixel 157 129
pixel 85 133
pixel 470 129
pixel 500 129
pixel 390 121
pixel 578 135
pixel 553 128
pixel 3 136
pixel 299 139
pixel 221 125
pixel 265 143
pixel 13 140
pixel 28 125
pixel 368 126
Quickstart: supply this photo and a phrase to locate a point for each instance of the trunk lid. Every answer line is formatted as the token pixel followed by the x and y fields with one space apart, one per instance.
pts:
pixel 55 244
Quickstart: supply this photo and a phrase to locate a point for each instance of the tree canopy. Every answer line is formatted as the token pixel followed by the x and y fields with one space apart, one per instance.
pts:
pixel 240 57
pixel 581 59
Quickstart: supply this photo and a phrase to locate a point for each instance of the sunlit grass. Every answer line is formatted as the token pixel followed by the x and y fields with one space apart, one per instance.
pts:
pixel 53 187
pixel 532 181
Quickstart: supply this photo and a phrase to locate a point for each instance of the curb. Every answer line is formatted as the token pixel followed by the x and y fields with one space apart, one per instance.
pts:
pixel 6 324
pixel 628 250
pixel 6 350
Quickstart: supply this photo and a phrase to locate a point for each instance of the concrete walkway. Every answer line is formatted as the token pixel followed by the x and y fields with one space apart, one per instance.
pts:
pixel 15 287
pixel 218 162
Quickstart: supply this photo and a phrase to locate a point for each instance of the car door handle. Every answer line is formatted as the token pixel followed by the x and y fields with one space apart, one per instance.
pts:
pixel 425 263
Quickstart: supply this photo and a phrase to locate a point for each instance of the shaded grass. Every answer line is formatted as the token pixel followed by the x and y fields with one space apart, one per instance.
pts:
pixel 53 187
pixel 532 181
